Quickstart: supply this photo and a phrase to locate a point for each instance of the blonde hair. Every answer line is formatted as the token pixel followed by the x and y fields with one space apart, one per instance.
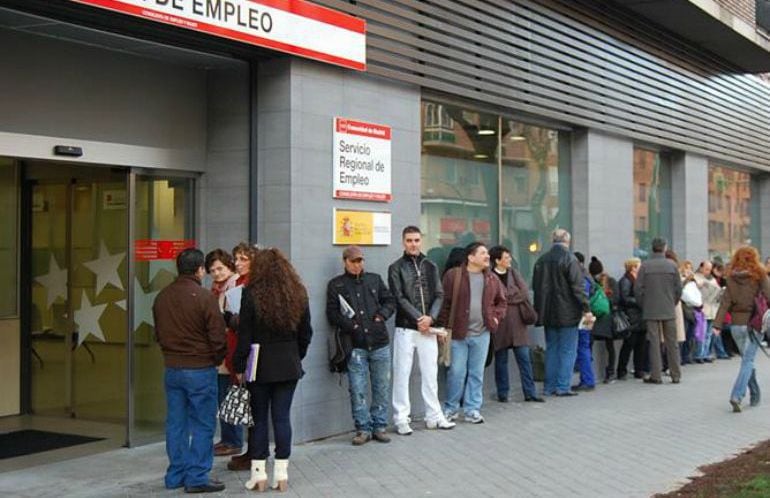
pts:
pixel 631 263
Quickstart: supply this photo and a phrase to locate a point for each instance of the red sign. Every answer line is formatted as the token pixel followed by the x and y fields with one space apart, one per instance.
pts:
pixel 151 249
pixel 363 129
pixel 293 26
pixel 453 225
pixel 481 227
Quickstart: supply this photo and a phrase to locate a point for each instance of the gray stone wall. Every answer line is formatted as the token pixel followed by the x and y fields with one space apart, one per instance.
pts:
pixel 602 198
pixel 298 100
pixel 223 207
pixel 689 187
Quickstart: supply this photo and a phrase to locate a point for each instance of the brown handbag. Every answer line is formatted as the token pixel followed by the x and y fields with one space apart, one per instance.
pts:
pixel 445 348
pixel 526 310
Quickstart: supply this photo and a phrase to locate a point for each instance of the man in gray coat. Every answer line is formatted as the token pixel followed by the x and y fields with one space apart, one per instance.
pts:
pixel 658 289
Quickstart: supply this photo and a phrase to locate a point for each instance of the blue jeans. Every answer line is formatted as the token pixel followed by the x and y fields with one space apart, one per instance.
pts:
pixel 275 398
pixel 719 345
pixel 583 360
pixel 560 353
pixel 468 356
pixel 364 366
pixel 191 417
pixel 525 372
pixel 704 347
pixel 746 375
pixel 230 435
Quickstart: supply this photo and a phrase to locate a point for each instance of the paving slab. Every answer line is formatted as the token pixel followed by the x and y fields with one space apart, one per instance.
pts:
pixel 625 439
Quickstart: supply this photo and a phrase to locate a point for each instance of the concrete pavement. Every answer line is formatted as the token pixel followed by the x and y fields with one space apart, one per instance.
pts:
pixel 626 439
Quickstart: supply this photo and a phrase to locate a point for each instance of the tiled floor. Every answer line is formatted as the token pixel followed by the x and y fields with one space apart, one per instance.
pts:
pixel 626 439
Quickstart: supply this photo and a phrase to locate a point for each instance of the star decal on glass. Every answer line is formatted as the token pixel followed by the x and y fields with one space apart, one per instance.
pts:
pixel 143 302
pixel 55 282
pixel 87 319
pixel 106 269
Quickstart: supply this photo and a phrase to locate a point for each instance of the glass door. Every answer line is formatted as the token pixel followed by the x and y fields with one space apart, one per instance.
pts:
pixel 162 225
pixel 77 307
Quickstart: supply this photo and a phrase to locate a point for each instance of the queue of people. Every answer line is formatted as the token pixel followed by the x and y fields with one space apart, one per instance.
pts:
pixel 666 313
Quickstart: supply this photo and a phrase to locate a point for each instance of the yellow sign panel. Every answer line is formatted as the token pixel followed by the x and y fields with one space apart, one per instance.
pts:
pixel 364 228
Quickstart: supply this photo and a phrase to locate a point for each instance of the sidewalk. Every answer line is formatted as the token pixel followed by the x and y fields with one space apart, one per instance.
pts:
pixel 626 439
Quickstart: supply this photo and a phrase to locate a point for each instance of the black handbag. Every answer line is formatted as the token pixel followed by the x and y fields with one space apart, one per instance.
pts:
pixel 621 324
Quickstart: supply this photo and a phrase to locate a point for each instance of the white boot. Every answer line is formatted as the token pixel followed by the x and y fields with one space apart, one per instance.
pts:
pixel 258 479
pixel 281 475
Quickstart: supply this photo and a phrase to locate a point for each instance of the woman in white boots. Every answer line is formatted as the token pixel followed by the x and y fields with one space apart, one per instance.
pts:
pixel 275 315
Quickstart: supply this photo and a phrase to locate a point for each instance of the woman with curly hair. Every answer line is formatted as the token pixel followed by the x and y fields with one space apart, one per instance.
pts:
pixel 746 278
pixel 275 315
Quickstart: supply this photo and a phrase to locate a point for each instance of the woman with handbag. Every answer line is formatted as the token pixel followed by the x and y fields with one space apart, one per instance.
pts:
pixel 513 333
pixel 275 315
pixel 636 342
pixel 746 283
pixel 610 287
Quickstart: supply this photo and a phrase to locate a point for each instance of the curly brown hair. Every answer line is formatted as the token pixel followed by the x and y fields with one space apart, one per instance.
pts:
pixel 280 298
pixel 746 259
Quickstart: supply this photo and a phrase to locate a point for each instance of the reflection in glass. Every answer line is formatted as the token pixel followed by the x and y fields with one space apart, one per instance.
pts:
pixel 163 212
pixel 490 179
pixel 730 205
pixel 652 199
pixel 9 233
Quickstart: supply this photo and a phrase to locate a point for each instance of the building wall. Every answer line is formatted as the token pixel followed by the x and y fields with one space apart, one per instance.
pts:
pixel 122 109
pixel 298 100
pixel 745 9
pixel 224 188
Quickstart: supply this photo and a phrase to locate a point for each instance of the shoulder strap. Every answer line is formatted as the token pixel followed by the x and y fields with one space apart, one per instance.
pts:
pixel 457 276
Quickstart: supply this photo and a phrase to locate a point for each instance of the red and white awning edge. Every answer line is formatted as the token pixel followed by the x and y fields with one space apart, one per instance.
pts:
pixel 292 26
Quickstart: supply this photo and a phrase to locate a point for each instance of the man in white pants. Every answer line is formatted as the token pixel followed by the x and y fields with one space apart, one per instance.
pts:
pixel 416 284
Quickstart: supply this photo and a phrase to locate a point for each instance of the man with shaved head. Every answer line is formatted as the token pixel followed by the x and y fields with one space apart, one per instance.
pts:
pixel 560 302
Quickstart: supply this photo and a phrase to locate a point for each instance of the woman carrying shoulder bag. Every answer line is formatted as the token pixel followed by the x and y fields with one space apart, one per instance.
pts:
pixel 746 279
pixel 514 331
pixel 275 315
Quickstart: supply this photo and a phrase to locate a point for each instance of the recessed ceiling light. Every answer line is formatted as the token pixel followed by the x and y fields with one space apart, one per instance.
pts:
pixel 517 138
pixel 486 131
pixel 480 156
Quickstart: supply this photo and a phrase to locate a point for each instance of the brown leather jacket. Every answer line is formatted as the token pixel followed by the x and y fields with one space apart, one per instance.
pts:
pixel 738 298
pixel 493 302
pixel 188 325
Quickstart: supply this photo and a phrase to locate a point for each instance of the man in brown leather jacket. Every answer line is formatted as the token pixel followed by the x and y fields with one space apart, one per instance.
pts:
pixel 191 333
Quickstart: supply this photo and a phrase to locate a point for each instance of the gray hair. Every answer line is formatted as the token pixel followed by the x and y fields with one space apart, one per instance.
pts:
pixel 659 244
pixel 560 236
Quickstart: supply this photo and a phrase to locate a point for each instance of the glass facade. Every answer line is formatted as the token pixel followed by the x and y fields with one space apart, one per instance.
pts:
pixel 488 178
pixel 732 211
pixel 652 199
pixel 9 234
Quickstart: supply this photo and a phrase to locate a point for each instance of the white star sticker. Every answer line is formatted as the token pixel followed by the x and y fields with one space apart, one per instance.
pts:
pixel 55 282
pixel 143 302
pixel 106 269
pixel 157 266
pixel 87 319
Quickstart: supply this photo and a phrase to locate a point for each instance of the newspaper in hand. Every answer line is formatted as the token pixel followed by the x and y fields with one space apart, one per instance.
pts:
pixel 251 364
pixel 438 331
pixel 233 299
pixel 346 309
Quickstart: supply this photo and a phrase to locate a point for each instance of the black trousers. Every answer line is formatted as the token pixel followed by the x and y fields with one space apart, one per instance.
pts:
pixel 272 399
pixel 636 343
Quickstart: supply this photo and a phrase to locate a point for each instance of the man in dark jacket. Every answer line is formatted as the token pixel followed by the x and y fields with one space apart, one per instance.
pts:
pixel 415 283
pixel 658 288
pixel 359 304
pixel 191 333
pixel 560 302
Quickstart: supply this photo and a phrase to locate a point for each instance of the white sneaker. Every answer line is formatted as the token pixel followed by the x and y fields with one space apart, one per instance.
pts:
pixel 403 429
pixel 450 416
pixel 474 418
pixel 440 424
